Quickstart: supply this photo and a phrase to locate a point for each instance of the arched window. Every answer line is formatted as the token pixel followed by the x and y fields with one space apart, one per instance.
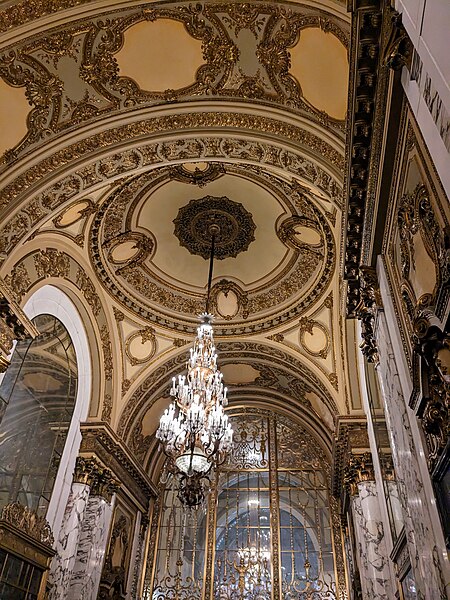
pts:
pixel 270 530
pixel 37 399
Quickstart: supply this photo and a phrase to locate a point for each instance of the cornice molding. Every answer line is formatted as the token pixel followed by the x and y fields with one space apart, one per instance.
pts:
pixel 351 437
pixel 100 441
pixel 378 45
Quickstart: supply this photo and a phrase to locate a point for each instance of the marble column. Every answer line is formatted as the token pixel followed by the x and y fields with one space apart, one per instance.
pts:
pixel 94 535
pixel 76 568
pixel 372 555
pixel 67 544
pixel 91 550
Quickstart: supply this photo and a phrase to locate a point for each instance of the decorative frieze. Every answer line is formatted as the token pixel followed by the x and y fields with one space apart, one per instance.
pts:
pixel 28 537
pixel 351 436
pixel 100 441
pixel 27 521
pixel 378 44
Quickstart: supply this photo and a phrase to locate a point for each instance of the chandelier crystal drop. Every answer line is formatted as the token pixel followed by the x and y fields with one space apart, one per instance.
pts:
pixel 194 430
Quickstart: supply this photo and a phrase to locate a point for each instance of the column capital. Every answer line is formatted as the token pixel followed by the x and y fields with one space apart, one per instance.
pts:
pixel 359 469
pixel 89 471
pixel 14 324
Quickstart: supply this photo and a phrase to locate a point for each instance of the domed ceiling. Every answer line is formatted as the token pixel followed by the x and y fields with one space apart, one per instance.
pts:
pixel 130 130
pixel 274 250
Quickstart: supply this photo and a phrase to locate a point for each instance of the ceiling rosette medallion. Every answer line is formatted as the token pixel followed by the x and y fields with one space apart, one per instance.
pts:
pixel 266 274
pixel 192 227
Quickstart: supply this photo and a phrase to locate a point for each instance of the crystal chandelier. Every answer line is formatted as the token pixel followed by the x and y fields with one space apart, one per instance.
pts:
pixel 194 431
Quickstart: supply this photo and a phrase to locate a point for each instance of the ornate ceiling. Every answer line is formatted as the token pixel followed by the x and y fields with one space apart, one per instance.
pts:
pixel 129 128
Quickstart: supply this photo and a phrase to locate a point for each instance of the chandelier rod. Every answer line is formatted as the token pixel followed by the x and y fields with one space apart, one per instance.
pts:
pixel 213 230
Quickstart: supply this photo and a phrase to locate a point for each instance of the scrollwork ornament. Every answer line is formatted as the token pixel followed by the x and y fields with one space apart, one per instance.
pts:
pixel 431 381
pixel 370 303
pixel 28 521
pixel 236 227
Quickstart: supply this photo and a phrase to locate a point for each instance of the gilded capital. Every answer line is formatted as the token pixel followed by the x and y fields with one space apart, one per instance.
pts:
pixel 90 472
pixel 359 469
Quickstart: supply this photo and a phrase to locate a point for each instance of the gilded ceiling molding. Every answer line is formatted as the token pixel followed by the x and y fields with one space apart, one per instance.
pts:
pixel 312 146
pixel 40 264
pixel 77 185
pixel 306 324
pixel 156 384
pixel 374 53
pixel 273 383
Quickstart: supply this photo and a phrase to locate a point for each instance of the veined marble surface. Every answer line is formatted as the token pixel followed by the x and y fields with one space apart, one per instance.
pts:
pixel 91 550
pixel 373 557
pixel 66 546
pixel 427 562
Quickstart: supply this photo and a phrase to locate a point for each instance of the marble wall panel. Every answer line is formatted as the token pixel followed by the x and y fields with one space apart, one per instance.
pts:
pixel 63 563
pixel 428 564
pixel 91 550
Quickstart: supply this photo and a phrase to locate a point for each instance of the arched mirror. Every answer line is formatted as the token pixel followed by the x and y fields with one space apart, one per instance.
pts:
pixel 37 400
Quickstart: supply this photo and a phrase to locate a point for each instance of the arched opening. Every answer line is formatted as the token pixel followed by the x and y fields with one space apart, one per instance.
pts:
pixel 267 531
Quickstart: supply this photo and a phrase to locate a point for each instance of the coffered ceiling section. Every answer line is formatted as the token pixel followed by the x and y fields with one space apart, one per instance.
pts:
pixel 130 131
pixel 289 55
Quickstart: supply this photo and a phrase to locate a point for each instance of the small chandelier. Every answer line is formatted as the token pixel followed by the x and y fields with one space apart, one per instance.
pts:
pixel 194 431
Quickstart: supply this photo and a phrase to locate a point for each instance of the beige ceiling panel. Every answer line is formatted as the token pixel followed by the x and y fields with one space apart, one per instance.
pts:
pixel 160 55
pixel 319 63
pixel 14 109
